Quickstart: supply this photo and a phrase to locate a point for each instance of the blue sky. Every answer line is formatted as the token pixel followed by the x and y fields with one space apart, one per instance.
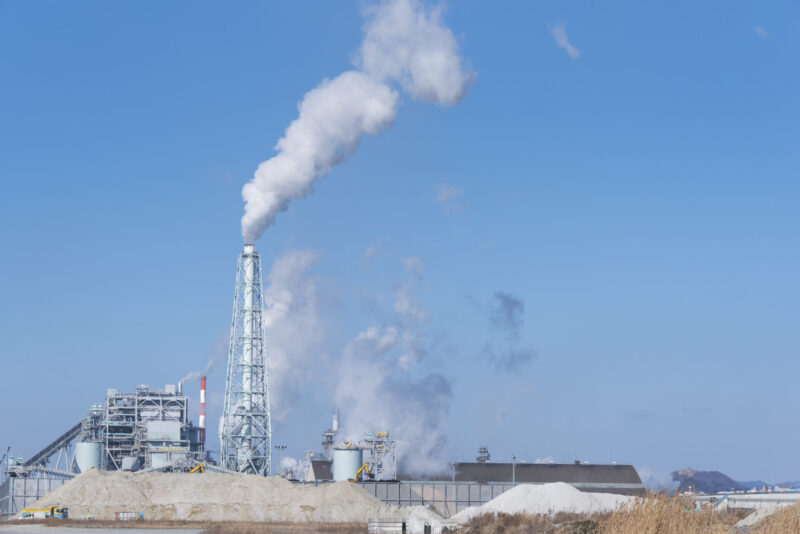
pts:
pixel 639 198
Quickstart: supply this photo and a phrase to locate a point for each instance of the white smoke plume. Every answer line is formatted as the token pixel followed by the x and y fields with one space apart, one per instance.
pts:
pixel 657 481
pixel 219 353
pixel 404 43
pixel 376 391
pixel 374 396
pixel 293 326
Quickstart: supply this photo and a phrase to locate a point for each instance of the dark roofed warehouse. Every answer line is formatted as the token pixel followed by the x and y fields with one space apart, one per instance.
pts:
pixel 604 478
pixel 601 478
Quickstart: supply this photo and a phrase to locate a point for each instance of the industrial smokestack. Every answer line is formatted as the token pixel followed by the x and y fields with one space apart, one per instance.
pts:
pixel 202 421
pixel 246 433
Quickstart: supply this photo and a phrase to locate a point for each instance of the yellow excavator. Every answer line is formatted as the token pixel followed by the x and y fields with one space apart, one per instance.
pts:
pixel 361 470
pixel 198 469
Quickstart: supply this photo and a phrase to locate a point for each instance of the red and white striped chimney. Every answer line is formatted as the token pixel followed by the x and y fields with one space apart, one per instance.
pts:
pixel 202 421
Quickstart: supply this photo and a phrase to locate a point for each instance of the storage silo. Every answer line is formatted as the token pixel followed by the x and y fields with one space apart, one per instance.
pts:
pixel 346 462
pixel 88 454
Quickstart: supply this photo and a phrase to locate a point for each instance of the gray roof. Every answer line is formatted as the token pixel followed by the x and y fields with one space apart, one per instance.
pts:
pixel 540 473
pixel 587 477
pixel 322 469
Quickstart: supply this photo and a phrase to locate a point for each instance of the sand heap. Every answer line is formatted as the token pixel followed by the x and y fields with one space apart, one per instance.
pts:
pixel 546 499
pixel 220 497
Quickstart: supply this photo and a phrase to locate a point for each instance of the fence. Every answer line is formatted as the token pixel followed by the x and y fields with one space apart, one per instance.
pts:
pixel 18 493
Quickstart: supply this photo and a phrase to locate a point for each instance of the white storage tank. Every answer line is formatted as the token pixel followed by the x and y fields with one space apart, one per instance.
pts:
pixel 346 461
pixel 88 454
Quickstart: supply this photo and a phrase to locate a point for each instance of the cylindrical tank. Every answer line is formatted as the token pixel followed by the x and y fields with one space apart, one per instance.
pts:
pixel 346 461
pixel 88 454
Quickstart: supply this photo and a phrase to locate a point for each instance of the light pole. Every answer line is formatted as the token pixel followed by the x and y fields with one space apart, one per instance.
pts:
pixel 280 449
pixel 513 469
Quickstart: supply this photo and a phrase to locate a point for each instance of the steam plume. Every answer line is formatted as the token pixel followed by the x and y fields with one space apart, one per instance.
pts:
pixel 380 385
pixel 404 43
pixel 294 327
pixel 218 354
pixel 374 397
pixel 506 315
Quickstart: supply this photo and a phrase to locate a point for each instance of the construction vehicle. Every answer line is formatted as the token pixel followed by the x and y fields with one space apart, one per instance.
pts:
pixel 57 512
pixel 361 469
pixel 198 469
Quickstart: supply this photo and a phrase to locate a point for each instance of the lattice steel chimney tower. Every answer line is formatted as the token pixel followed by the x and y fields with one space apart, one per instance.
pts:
pixel 246 433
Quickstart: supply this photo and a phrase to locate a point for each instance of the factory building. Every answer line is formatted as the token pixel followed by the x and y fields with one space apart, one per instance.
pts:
pixel 597 478
pixel 600 478
pixel 145 429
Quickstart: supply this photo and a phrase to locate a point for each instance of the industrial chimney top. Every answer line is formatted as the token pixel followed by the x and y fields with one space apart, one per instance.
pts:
pixel 249 249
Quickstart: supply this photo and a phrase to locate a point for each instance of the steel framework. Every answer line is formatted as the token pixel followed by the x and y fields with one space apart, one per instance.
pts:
pixel 246 430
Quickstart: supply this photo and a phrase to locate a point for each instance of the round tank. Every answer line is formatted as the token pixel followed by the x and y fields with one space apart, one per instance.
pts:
pixel 346 461
pixel 88 454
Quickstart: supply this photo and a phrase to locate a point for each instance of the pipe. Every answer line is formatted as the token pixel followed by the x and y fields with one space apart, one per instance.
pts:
pixel 245 451
pixel 202 419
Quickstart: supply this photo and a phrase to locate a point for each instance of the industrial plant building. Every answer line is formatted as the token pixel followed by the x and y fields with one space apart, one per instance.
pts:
pixel 147 429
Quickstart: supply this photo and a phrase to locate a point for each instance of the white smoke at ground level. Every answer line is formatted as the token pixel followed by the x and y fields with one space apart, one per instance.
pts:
pixel 373 396
pixel 656 480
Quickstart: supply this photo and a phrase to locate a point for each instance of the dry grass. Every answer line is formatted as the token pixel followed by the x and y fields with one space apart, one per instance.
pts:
pixel 654 515
pixel 787 521
pixel 286 528
pixel 662 515
pixel 533 524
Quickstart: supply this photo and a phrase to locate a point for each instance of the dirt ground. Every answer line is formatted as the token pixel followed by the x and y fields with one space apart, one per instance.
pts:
pixel 76 526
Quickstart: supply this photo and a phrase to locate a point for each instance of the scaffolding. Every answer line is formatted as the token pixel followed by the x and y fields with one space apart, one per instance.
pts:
pixel 380 453
pixel 143 429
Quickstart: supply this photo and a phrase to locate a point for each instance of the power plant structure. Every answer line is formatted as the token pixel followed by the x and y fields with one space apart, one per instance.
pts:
pixel 144 430
pixel 246 427
pixel 150 430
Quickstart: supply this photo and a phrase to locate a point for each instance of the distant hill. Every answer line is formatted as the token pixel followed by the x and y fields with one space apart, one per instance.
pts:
pixel 705 481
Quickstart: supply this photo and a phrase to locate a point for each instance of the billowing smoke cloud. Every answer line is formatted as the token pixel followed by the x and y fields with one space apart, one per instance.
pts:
pixel 657 480
pixel 409 44
pixel 404 43
pixel 292 326
pixel 374 396
pixel 507 316
pixel 378 389
pixel 507 313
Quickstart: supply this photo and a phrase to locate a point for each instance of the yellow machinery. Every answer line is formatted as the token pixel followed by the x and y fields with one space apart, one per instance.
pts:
pixel 58 512
pixel 361 469
pixel 198 469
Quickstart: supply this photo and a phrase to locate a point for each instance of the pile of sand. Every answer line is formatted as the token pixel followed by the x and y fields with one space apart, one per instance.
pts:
pixel 756 517
pixel 221 497
pixel 546 499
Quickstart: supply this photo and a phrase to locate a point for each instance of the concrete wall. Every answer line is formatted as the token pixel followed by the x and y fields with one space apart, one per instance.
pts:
pixel 449 498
